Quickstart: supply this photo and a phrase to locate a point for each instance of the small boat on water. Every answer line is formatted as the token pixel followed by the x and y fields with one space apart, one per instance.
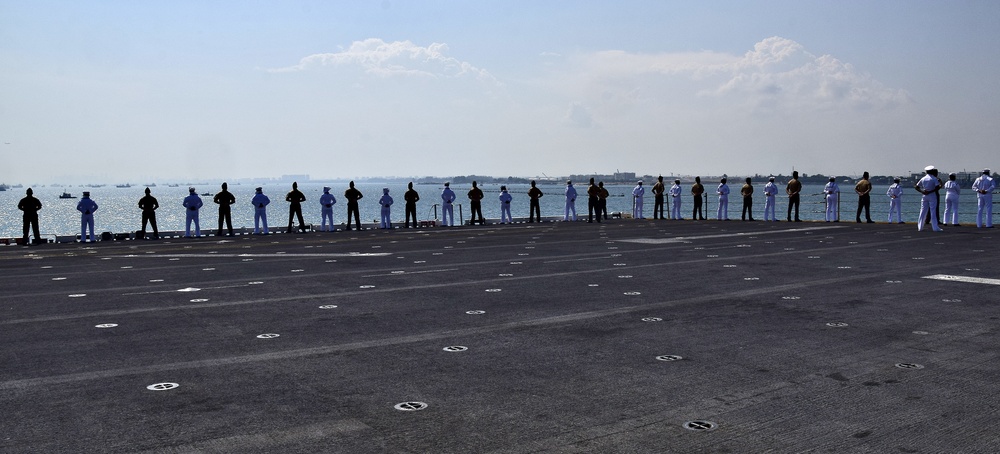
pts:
pixel 66 195
pixel 126 185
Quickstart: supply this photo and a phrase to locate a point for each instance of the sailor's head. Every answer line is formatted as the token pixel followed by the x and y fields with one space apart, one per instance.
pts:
pixel 748 180
pixel 295 185
pixel 29 191
pixel 591 180
pixel 600 184
pixel 952 176
pixel 795 174
pixel 191 190
pixel 931 170
pixel 723 180
pixel 697 179
pixel 895 180
pixel 351 184
pixel 225 186
pixel 569 183
pixel 660 178
pixel 639 183
pixel 326 189
pixel 409 185
pixel 259 190
pixel 865 175
pixel 473 184
pixel 147 191
pixel 503 188
pixel 832 179
pixel 86 194
pixel 677 181
pixel 447 184
pixel 771 179
pixel 385 191
pixel 532 183
pixel 987 172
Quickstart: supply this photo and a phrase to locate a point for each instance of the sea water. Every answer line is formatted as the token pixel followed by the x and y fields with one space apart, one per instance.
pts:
pixel 119 211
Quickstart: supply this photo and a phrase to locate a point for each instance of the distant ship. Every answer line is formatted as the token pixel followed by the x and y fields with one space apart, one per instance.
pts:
pixel 66 195
pixel 126 185
pixel 3 187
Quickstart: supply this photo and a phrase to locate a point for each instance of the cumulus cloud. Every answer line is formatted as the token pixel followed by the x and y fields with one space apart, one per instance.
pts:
pixel 394 59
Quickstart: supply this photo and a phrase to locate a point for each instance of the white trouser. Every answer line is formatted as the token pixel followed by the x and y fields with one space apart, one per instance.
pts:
pixel 895 208
pixel 951 208
pixel 87 221
pixel 637 209
pixel 570 208
pixel 447 214
pixel 327 213
pixel 831 207
pixel 259 216
pixel 385 217
pixel 675 209
pixel 769 208
pixel 723 211
pixel 505 213
pixel 928 202
pixel 192 216
pixel 984 216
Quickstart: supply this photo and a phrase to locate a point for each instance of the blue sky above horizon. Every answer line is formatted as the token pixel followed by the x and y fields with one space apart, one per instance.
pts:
pixel 120 91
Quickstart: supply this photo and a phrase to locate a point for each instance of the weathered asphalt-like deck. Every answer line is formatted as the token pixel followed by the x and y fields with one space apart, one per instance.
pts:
pixel 564 358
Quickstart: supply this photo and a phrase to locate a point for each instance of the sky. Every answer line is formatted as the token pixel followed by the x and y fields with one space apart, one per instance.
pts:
pixel 139 91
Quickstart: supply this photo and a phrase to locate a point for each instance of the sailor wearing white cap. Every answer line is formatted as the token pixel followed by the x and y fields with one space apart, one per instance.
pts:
pixel 570 201
pixel 637 194
pixel 952 191
pixel 984 186
pixel 447 206
pixel 87 207
pixel 260 202
pixel 327 201
pixel 832 192
pixel 770 189
pixel 675 200
pixel 192 203
pixel 928 201
pixel 723 192
pixel 895 194
pixel 505 199
pixel 386 203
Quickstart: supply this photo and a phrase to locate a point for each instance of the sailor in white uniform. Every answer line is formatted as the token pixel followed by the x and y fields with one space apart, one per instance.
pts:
pixel 832 192
pixel 770 189
pixel 895 194
pixel 637 194
pixel 327 201
pixel 260 202
pixel 984 186
pixel 928 201
pixel 723 192
pixel 192 203
pixel 386 203
pixel 570 201
pixel 447 206
pixel 675 199
pixel 87 207
pixel 952 191
pixel 505 199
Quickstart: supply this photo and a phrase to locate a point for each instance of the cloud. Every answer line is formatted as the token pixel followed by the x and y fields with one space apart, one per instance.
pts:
pixel 394 59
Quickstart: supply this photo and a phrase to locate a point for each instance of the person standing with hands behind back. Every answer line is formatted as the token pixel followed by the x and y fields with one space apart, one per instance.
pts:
pixel 295 199
pixel 30 206
pixel 148 205
pixel 224 199
pixel 353 195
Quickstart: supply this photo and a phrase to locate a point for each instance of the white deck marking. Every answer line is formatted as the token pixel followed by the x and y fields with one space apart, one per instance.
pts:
pixel 332 254
pixel 687 239
pixel 974 280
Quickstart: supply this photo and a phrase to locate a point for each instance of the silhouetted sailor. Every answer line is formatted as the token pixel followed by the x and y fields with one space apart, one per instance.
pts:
pixel 295 199
pixel 697 189
pixel 864 189
pixel 86 207
pixel 570 201
pixel 260 202
pixel 770 190
pixel 593 201
pixel 192 203
pixel 447 206
pixel 386 204
pixel 505 199
pixel 326 203
pixel 148 205
pixel 637 192
pixel 658 190
pixel 928 201
pixel 984 186
pixel 723 191
pixel 793 188
pixel 475 204
pixel 832 192
pixel 30 206
pixel 411 197
pixel 895 195
pixel 533 207
pixel 603 199
pixel 951 194
pixel 353 195
pixel 225 200
pixel 747 192
pixel 675 200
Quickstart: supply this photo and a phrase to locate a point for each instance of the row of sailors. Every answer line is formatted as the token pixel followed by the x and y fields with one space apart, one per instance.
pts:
pixel 929 185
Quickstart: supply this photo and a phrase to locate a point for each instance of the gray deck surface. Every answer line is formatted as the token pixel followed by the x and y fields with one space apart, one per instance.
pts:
pixel 564 358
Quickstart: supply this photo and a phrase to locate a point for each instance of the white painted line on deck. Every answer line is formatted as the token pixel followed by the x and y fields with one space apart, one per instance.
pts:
pixel 974 280
pixel 686 239
pixel 332 254
pixel 411 272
